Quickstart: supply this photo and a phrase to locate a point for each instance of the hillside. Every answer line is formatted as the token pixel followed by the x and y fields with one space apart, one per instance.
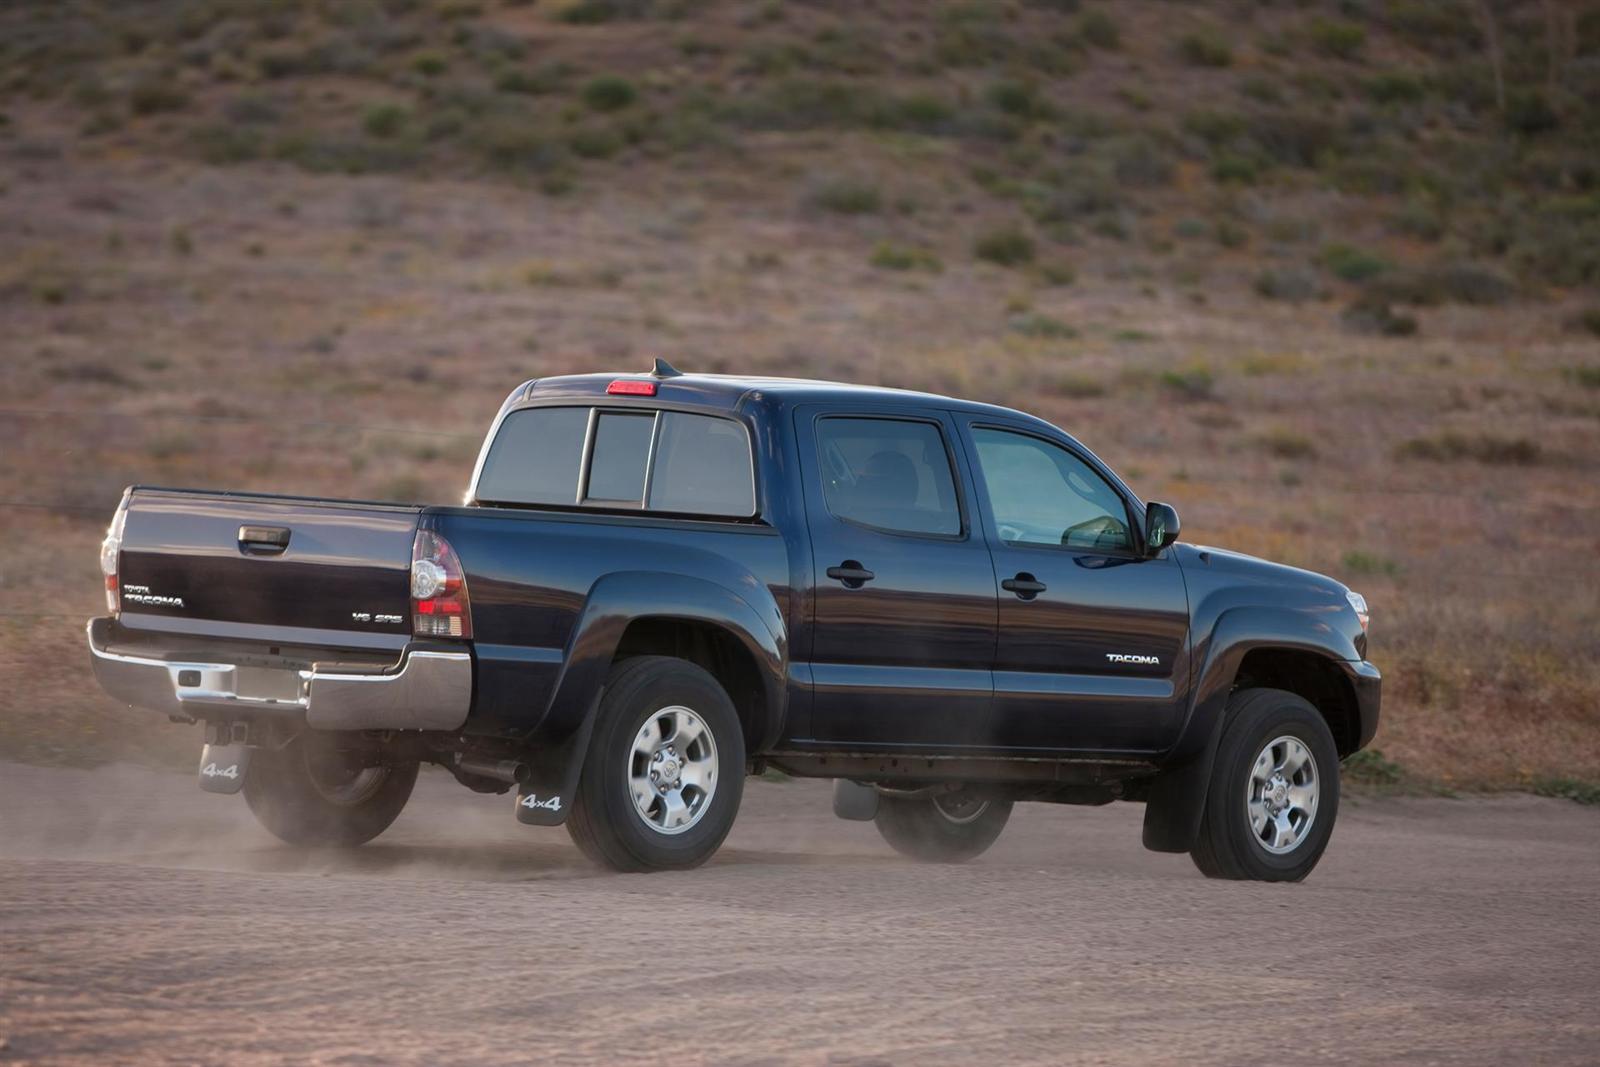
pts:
pixel 1325 276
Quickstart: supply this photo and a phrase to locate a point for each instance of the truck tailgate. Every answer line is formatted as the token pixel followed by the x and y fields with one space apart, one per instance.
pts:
pixel 251 566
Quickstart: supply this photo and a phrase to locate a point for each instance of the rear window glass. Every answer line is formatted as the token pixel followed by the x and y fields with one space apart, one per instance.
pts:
pixel 535 457
pixel 702 466
pixel 621 451
pixel 689 464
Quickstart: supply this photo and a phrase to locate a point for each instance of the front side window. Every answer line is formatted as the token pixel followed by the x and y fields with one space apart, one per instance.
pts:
pixel 1042 494
pixel 891 474
pixel 667 461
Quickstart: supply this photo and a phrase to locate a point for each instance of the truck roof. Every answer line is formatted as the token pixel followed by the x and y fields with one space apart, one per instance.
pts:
pixel 727 390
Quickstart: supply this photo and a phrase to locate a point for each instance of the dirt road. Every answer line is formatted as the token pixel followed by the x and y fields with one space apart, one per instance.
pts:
pixel 142 921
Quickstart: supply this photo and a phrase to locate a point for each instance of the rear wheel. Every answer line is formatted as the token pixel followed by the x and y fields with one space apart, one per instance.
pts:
pixel 310 792
pixel 946 828
pixel 1274 790
pixel 664 772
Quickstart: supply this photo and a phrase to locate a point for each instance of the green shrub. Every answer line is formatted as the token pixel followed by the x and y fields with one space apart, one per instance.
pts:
pixel 846 196
pixel 1482 448
pixel 430 64
pixel 1419 219
pixel 1588 319
pixel 1588 377
pixel 1370 767
pixel 888 256
pixel 594 142
pixel 594 12
pixel 1205 49
pixel 1018 98
pixel 1139 162
pixel 1353 264
pixel 1359 562
pixel 1529 111
pixel 1008 246
pixel 1293 284
pixel 1394 87
pixel 1337 38
pixel 1099 30
pixel 546 78
pixel 609 92
pixel 1195 382
pixel 385 120
pixel 1078 386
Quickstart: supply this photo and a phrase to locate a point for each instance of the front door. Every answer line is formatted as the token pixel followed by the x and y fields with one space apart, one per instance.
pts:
pixel 903 612
pixel 1092 651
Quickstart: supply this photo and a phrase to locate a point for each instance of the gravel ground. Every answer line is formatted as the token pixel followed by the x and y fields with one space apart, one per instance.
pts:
pixel 142 921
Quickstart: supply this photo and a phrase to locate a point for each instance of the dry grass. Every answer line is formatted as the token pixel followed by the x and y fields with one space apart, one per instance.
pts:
pixel 368 327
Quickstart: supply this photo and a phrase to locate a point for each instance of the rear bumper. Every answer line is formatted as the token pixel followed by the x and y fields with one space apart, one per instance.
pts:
pixel 427 689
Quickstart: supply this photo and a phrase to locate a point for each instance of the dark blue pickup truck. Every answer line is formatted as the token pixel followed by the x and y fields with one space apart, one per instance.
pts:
pixel 660 583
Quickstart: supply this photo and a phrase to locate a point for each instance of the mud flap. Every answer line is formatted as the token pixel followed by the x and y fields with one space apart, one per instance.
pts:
pixel 222 768
pixel 535 809
pixel 854 801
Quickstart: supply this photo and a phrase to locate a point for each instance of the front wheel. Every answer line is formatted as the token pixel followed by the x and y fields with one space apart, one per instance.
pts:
pixel 946 828
pixel 311 792
pixel 664 772
pixel 1274 791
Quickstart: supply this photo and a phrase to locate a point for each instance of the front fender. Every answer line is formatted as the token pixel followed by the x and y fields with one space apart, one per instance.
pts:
pixel 1177 796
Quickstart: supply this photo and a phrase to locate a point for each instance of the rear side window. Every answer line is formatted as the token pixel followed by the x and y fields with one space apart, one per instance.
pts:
pixel 890 474
pixel 666 461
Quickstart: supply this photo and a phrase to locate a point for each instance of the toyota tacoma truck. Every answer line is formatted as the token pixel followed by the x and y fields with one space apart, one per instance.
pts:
pixel 660 583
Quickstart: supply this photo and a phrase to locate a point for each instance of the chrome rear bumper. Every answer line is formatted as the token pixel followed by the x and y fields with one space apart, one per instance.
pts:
pixel 426 690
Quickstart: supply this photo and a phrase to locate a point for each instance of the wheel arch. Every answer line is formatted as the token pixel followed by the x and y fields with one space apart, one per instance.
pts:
pixel 719 651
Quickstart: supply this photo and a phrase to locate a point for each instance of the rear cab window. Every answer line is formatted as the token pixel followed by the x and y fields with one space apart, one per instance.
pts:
pixel 670 462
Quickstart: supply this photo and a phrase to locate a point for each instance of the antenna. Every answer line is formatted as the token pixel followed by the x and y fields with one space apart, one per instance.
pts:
pixel 663 369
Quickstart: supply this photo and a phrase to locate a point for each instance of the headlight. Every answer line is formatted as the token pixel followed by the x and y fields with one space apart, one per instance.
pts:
pixel 1359 602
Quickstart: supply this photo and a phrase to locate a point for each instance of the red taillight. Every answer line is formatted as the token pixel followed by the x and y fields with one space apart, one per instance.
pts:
pixel 631 387
pixel 111 554
pixel 439 604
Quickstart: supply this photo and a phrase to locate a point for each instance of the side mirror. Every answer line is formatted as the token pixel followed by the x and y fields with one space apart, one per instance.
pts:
pixel 1161 527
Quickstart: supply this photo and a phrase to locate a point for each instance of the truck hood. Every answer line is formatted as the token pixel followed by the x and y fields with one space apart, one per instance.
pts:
pixel 1248 567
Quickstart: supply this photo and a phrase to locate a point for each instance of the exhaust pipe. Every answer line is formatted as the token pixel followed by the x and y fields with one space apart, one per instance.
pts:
pixel 512 771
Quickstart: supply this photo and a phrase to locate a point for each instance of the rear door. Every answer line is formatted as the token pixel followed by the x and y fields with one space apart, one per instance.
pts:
pixel 904 598
pixel 250 566
pixel 1092 652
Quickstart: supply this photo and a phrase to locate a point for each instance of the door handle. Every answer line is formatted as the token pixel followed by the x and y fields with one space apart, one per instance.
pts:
pixel 263 540
pixel 851 573
pixel 1025 585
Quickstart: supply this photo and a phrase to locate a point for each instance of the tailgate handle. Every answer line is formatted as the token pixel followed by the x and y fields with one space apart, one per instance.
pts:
pixel 263 540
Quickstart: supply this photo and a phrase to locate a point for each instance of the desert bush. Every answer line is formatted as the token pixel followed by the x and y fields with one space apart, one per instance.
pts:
pixel 1336 38
pixel 385 120
pixel 1077 386
pixel 1099 30
pixel 156 94
pixel 544 78
pixel 594 142
pixel 609 92
pixel 1194 382
pixel 594 12
pixel 1138 161
pixel 845 195
pixel 1020 99
pixel 1007 246
pixel 1205 49
pixel 889 256
pixel 430 64
pixel 1038 325
pixel 1375 317
pixel 1588 319
pixel 1371 768
pixel 1287 444
pixel 1459 282
pixel 252 109
pixel 1293 284
pixel 1529 111
pixel 1451 446
pixel 1352 264
pixel 1419 219
pixel 221 145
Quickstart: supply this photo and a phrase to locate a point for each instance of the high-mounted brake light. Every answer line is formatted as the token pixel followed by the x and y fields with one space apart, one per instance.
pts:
pixel 631 387
pixel 111 554
pixel 439 605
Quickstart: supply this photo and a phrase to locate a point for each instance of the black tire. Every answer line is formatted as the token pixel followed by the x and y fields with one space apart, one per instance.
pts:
pixel 605 821
pixel 1228 846
pixel 309 793
pixel 951 828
